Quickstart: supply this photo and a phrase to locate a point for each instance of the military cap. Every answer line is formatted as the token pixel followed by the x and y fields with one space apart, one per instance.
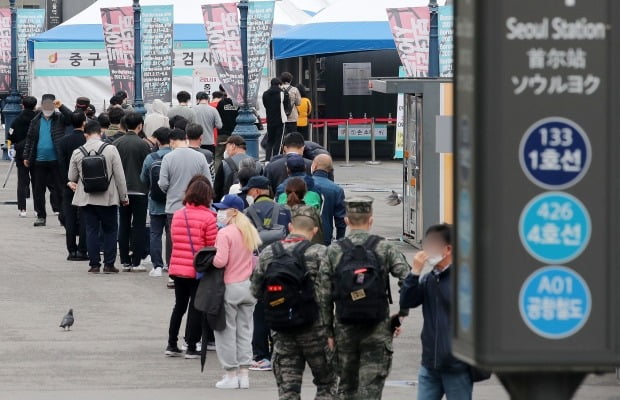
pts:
pixel 303 210
pixel 359 205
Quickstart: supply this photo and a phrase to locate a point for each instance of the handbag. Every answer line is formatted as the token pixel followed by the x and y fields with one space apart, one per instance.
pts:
pixel 478 375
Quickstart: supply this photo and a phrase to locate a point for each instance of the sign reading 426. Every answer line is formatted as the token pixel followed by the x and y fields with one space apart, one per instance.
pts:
pixel 555 153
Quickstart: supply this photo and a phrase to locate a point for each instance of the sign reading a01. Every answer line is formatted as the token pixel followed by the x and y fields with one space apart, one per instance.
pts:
pixel 555 227
pixel 555 153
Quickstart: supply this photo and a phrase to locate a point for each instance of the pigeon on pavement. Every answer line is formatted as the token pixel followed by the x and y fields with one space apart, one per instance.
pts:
pixel 393 199
pixel 67 320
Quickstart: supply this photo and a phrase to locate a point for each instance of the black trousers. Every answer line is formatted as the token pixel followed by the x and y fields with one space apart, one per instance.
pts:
pixel 132 230
pixel 23 184
pixel 184 294
pixel 261 335
pixel 305 131
pixel 274 140
pixel 75 228
pixel 46 174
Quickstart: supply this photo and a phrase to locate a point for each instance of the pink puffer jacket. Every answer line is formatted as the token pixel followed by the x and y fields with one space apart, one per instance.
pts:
pixel 203 228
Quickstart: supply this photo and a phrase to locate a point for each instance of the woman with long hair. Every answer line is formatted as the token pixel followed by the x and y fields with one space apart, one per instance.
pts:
pixel 193 227
pixel 236 245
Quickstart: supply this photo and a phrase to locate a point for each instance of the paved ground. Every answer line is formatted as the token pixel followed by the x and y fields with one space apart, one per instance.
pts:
pixel 116 347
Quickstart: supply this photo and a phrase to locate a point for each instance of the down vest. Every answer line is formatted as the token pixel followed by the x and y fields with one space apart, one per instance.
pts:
pixel 203 229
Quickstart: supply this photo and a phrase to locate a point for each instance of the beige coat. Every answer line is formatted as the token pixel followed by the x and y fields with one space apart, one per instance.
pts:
pixel 117 191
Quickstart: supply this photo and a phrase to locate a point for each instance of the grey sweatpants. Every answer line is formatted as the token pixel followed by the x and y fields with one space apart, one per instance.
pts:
pixel 234 343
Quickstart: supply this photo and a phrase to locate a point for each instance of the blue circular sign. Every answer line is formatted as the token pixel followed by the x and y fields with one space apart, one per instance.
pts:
pixel 465 300
pixel 464 223
pixel 555 302
pixel 555 153
pixel 555 227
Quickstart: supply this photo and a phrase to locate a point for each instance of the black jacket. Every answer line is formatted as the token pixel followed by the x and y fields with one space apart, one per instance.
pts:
pixel 228 112
pixel 210 292
pixel 65 149
pixel 276 171
pixel 133 151
pixel 20 127
pixel 272 101
pixel 60 120
pixel 432 291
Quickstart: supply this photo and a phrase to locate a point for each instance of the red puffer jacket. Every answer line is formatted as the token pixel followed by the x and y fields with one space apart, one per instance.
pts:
pixel 203 228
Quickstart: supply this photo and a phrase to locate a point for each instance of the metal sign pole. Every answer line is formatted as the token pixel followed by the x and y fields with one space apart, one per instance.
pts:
pixel 347 163
pixel 373 153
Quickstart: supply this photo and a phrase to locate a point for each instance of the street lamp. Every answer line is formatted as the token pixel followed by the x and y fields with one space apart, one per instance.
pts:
pixel 245 119
pixel 12 106
pixel 433 52
pixel 138 103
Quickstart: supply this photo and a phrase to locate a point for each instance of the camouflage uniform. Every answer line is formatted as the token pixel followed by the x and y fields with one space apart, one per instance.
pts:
pixel 364 353
pixel 291 351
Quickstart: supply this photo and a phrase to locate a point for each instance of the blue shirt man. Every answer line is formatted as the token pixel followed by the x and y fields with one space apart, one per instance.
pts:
pixel 333 211
pixel 46 151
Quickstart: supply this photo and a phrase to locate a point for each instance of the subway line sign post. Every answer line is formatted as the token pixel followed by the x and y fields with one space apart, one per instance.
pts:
pixel 537 143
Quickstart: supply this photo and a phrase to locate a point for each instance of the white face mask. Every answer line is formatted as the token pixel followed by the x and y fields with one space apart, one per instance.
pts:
pixel 47 114
pixel 225 154
pixel 222 217
pixel 434 259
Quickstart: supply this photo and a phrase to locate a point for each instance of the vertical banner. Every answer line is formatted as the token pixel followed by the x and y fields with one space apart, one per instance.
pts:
pixel 30 22
pixel 222 28
pixel 157 56
pixel 5 50
pixel 117 25
pixel 260 23
pixel 411 30
pixel 446 41
pixel 54 13
pixel 399 142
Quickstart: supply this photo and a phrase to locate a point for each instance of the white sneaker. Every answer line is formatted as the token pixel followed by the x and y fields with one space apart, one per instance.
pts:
pixel 228 382
pixel 126 268
pixel 139 268
pixel 244 382
pixel 23 214
pixel 198 346
pixel 155 272
pixel 147 260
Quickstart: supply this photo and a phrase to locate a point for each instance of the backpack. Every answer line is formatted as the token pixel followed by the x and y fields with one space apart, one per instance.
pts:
pixel 233 177
pixel 286 101
pixel 155 192
pixel 95 170
pixel 362 290
pixel 288 292
pixel 270 233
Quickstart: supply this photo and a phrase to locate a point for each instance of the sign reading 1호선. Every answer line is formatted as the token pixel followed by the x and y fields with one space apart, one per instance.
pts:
pixel 555 153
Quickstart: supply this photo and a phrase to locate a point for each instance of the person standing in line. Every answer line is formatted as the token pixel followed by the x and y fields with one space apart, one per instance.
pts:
pixel 193 227
pixel 183 108
pixel 115 130
pixel 276 117
pixel 362 328
pixel 74 220
pixel 100 209
pixel 236 244
pixel 132 228
pixel 177 169
pixel 303 111
pixel 228 112
pixel 295 100
pixel 151 169
pixel 227 174
pixel 41 153
pixel 157 118
pixel 17 136
pixel 441 373
pixel 333 211
pixel 209 119
pixel 194 138
pixel 277 171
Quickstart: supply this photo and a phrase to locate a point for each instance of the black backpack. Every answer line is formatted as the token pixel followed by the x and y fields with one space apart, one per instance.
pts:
pixel 288 291
pixel 95 170
pixel 286 101
pixel 155 191
pixel 270 233
pixel 361 287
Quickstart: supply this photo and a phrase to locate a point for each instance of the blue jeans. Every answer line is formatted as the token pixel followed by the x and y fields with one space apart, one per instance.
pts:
pixel 96 219
pixel 433 384
pixel 158 224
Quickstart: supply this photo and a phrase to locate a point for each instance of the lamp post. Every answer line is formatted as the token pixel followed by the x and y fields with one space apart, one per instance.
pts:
pixel 12 106
pixel 138 102
pixel 433 52
pixel 245 120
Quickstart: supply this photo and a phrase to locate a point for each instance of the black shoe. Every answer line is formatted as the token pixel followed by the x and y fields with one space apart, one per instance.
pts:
pixel 173 351
pixel 191 354
pixel 72 256
pixel 94 270
pixel 109 269
pixel 81 256
pixel 39 222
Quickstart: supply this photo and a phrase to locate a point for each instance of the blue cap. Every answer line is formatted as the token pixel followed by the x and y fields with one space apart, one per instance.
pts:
pixel 295 163
pixel 257 182
pixel 230 201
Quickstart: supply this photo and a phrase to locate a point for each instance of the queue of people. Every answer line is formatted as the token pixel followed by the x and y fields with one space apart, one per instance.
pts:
pixel 297 288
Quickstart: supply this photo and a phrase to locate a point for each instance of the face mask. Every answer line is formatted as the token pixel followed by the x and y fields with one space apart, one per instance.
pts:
pixel 225 154
pixel 222 217
pixel 48 114
pixel 434 259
